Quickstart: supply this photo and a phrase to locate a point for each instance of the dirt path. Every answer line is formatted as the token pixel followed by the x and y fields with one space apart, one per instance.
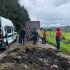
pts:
pixel 40 45
pixel 16 45
pixel 47 46
pixel 29 44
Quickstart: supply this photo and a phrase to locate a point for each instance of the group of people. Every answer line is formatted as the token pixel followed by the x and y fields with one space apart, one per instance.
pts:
pixel 58 38
pixel 35 36
pixel 23 35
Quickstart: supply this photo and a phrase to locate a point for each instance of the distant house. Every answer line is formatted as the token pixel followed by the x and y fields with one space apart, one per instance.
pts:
pixel 32 24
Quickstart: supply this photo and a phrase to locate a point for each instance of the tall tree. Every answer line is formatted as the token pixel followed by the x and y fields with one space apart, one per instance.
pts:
pixel 11 9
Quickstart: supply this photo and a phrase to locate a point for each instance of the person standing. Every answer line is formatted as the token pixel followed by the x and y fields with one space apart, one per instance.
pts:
pixel 19 36
pixel 35 37
pixel 28 34
pixel 22 36
pixel 58 38
pixel 44 37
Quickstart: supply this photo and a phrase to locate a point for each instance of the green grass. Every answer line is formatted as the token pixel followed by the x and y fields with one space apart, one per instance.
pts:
pixel 66 35
pixel 65 48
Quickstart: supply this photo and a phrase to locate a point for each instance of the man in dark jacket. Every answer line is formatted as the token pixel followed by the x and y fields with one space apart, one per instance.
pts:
pixel 22 35
pixel 35 37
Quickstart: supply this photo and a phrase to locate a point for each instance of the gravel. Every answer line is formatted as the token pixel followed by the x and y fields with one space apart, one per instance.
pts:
pixel 36 59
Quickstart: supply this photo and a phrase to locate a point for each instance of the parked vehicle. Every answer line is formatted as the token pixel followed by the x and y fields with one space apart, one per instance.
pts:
pixel 7 32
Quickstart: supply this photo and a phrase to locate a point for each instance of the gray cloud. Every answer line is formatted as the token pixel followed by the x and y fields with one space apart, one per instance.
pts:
pixel 49 12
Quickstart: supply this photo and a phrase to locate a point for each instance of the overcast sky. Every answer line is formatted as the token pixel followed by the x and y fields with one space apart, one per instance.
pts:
pixel 49 12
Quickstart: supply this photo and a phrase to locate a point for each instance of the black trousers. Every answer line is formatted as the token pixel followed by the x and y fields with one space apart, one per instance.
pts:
pixel 43 40
pixel 21 40
pixel 35 41
pixel 58 43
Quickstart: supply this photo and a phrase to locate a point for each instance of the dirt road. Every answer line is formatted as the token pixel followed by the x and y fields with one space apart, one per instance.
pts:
pixel 17 58
pixel 29 44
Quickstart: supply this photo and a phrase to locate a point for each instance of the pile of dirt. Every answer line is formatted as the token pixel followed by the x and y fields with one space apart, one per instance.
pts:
pixel 36 59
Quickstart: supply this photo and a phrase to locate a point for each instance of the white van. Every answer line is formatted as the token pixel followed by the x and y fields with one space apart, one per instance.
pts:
pixel 7 32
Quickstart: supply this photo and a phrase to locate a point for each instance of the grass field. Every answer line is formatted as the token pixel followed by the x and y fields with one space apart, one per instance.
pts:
pixel 66 35
pixel 65 47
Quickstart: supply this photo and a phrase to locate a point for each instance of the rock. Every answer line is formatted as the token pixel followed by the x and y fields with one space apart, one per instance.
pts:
pixel 37 59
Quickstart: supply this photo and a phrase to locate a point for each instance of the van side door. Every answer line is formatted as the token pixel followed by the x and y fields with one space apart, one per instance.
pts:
pixel 9 34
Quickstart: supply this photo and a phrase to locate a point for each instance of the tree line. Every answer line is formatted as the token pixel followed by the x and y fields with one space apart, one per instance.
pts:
pixel 11 9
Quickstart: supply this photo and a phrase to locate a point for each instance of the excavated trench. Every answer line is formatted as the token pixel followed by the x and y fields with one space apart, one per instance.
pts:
pixel 35 59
